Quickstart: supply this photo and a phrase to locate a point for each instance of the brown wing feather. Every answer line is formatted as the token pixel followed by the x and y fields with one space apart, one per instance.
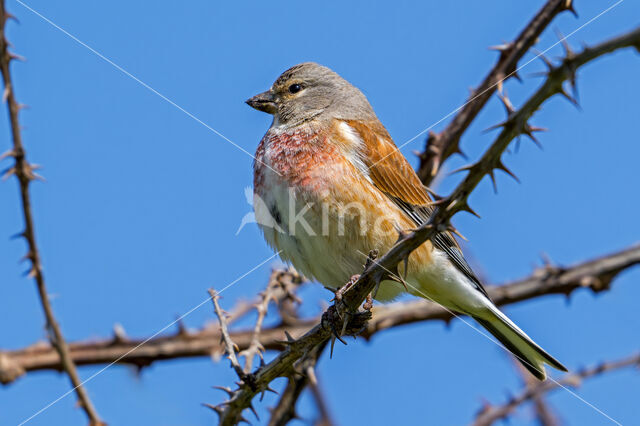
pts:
pixel 392 174
pixel 388 168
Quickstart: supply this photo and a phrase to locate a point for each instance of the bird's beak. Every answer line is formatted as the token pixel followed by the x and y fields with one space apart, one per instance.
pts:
pixel 263 102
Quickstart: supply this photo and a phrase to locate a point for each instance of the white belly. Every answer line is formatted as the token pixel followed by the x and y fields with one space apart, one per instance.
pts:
pixel 293 223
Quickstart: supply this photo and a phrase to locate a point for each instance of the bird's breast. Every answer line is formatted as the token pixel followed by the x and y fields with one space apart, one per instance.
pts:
pixel 314 206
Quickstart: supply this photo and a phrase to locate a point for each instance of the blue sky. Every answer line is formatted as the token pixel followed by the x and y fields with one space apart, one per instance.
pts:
pixel 141 205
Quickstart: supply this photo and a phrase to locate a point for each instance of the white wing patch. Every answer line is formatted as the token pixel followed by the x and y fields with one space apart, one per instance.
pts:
pixel 354 152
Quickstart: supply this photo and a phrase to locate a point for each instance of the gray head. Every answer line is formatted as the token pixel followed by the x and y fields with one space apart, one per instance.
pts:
pixel 311 91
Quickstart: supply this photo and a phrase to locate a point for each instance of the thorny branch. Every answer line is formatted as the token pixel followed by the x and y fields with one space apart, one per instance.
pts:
pixel 278 290
pixel 281 287
pixel 224 332
pixel 24 172
pixel 441 146
pixel 490 414
pixel 596 274
pixel 543 411
pixel 285 410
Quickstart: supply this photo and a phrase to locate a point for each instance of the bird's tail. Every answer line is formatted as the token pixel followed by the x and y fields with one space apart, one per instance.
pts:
pixel 532 356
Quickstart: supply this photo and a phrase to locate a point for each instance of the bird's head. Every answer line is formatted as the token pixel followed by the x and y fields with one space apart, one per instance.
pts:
pixel 308 91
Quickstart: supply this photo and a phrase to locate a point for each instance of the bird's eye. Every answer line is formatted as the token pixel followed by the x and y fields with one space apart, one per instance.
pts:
pixel 295 88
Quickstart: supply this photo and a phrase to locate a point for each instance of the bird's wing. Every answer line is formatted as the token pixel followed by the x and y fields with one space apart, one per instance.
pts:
pixel 392 174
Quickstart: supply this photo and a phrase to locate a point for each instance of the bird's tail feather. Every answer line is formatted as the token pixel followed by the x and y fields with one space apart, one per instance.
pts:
pixel 532 356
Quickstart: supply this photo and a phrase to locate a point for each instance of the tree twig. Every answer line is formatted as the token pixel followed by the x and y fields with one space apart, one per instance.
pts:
pixel 596 274
pixel 230 347
pixel 490 414
pixel 24 172
pixel 543 411
pixel 277 290
pixel 441 146
pixel 321 403
pixel 285 410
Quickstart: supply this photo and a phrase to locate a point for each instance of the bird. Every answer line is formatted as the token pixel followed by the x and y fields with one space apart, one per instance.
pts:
pixel 329 175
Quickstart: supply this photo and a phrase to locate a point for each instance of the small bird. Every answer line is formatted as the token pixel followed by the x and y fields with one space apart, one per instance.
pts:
pixel 330 177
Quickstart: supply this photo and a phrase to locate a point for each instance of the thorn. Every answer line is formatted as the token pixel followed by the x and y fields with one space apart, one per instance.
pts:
pixel 182 329
pixel 215 408
pixel 432 193
pixel 504 168
pixel 453 229
pixel 501 47
pixel 507 103
pixel 515 75
pixel 8 172
pixel 345 322
pixel 460 152
pixel 32 272
pixel 269 389
pixel 9 16
pixel 538 74
pixel 28 256
pixel 546 260
pixel 447 322
pixel 528 130
pixel 227 390
pixel 119 335
pixel 465 207
pixel 16 57
pixel 22 234
pixel 461 169
pixel 35 176
pixel 565 44
pixel 398 279
pixel 495 126
pixel 568 5
pixel 253 410
pixel 401 234
pixel 564 93
pixel 544 59
pixel 10 153
pixel 289 338
pixel 493 181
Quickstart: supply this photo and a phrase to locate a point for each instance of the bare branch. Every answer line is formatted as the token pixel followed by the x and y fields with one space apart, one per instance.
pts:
pixel 544 413
pixel 321 403
pixel 285 410
pixel 24 172
pixel 442 145
pixel 490 414
pixel 224 332
pixel 596 274
pixel 280 288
